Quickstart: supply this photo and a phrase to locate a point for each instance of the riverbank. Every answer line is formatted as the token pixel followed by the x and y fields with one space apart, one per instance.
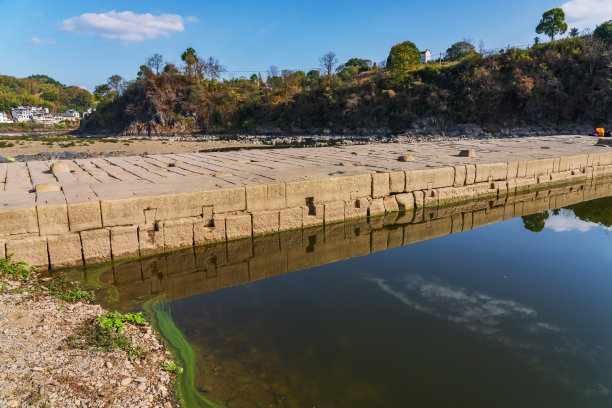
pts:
pixel 44 362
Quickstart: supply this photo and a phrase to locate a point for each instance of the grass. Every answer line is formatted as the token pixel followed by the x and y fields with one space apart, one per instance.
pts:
pixel 4 144
pixel 105 339
pixel 77 294
pixel 35 398
pixel 171 367
pixel 115 320
pixel 17 270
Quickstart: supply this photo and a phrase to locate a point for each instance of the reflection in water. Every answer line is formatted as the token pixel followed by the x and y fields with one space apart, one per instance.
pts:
pixel 495 316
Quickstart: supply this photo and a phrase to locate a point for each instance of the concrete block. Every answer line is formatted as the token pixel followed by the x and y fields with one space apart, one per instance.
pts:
pixel 31 250
pixel 328 189
pixel 276 196
pixel 266 244
pixel 512 170
pixel 272 264
pixel 377 206
pixel 84 216
pixel 151 238
pixel 172 206
pixel 376 221
pixel 405 201
pixel 65 250
pixel 181 262
pixel 396 237
pixel 536 167
pixel 470 174
pixel 52 219
pixel 265 222
pixel 237 226
pixel 204 232
pixel 380 185
pixel 290 218
pixel 178 233
pixel 124 241
pixel 128 273
pixel 430 198
pixel 313 215
pixel 290 239
pixel 256 198
pixel 333 212
pixel 419 198
pixel 573 162
pixel 356 208
pixel 96 245
pixel 491 172
pixel 390 204
pixel 429 179
pixel 232 275
pixel 460 173
pixel 18 221
pixel 397 181
pixel 379 240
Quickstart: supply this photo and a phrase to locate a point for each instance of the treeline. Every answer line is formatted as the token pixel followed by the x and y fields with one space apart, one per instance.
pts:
pixel 562 82
pixel 41 90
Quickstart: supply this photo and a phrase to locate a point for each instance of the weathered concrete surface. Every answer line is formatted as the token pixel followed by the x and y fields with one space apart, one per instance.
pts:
pixel 224 264
pixel 140 205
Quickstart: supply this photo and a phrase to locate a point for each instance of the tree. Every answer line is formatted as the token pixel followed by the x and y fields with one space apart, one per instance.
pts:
pixel 535 222
pixel 313 74
pixel 116 83
pixel 328 61
pixel 144 71
pixel 155 62
pixel 536 40
pixel 403 55
pixel 210 68
pixel 459 51
pixel 574 32
pixel 552 23
pixel 190 58
pixel 604 31
pixel 594 48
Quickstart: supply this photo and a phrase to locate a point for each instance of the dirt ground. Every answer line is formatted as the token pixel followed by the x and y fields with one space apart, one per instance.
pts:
pixel 11 147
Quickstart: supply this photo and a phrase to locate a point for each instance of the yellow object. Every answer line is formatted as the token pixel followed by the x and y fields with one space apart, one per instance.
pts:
pixel 600 131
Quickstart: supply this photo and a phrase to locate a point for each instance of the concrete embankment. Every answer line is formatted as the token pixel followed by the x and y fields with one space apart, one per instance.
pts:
pixel 68 213
pixel 208 268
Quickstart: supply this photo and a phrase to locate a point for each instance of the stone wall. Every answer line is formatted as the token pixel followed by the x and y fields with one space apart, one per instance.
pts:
pixel 216 266
pixel 52 235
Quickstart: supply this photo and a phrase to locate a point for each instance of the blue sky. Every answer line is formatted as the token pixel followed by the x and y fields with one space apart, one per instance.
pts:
pixel 84 42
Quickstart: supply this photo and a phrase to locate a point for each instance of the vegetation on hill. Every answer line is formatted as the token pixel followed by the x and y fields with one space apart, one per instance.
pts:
pixel 563 82
pixel 41 90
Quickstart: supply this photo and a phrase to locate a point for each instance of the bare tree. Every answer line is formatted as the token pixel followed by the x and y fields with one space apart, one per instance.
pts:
pixel 593 49
pixel 116 83
pixel 210 68
pixel 155 62
pixel 328 61
pixel 273 71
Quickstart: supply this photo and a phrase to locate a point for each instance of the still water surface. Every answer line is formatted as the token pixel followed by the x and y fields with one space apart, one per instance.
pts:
pixel 516 313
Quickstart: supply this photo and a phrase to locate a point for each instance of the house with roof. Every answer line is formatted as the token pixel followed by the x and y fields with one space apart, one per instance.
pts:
pixel 425 56
pixel 4 118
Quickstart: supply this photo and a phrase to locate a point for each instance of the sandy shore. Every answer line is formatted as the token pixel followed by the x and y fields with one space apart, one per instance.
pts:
pixel 39 367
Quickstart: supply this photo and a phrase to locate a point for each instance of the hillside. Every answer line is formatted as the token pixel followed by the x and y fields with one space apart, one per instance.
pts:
pixel 41 90
pixel 561 83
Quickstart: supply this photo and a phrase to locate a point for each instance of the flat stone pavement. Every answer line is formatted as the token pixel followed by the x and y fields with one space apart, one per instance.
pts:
pixel 140 176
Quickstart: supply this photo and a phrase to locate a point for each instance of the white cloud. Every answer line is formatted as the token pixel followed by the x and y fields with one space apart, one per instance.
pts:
pixel 37 40
pixel 564 223
pixel 125 26
pixel 191 19
pixel 587 13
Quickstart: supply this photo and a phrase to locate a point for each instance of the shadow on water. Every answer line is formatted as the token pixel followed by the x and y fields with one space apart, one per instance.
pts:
pixel 232 358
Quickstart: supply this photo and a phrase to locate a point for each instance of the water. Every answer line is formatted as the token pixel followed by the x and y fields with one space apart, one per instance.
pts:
pixel 513 313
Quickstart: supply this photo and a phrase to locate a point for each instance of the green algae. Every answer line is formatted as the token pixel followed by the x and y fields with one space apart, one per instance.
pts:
pixel 161 320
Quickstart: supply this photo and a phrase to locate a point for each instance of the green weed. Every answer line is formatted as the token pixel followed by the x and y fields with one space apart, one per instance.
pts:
pixel 35 398
pixel 116 320
pixel 171 367
pixel 19 270
pixel 137 352
pixel 71 295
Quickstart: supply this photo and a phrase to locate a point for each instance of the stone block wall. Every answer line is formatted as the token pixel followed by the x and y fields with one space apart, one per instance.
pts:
pixel 53 235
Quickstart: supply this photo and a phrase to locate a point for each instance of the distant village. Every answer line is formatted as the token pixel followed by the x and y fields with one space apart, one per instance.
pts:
pixel 41 115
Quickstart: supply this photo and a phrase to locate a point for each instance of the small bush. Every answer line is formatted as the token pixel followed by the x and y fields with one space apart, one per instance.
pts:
pixel 19 270
pixel 71 295
pixel 116 320
pixel 171 367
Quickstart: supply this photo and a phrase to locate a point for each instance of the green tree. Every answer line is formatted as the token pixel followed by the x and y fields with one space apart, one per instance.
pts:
pixel 155 62
pixel 574 32
pixel 552 23
pixel 459 51
pixel 190 58
pixel 84 101
pixel 403 55
pixel 116 83
pixel 604 31
pixel 535 222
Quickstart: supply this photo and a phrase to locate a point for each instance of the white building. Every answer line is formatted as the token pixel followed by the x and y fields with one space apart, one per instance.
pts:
pixel 25 113
pixel 4 118
pixel 73 113
pixel 425 56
